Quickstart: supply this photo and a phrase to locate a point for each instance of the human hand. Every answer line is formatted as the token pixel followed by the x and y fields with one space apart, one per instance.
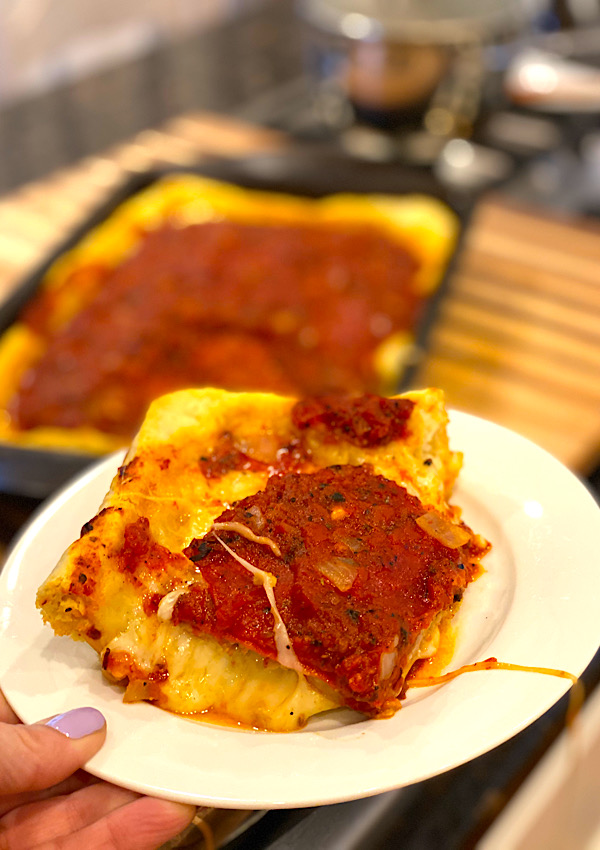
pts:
pixel 48 803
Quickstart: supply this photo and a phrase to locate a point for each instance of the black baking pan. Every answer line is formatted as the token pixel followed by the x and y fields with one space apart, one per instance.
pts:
pixel 310 172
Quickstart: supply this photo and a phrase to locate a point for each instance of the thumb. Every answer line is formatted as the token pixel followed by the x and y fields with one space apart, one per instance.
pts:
pixel 39 756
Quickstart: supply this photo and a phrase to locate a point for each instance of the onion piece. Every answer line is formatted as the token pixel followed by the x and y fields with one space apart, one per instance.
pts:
pixel 443 530
pixel 258 520
pixel 341 572
pixel 140 689
pixel 353 543
pixel 387 662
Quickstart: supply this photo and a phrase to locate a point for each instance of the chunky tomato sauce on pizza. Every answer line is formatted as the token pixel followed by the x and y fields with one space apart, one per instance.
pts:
pixel 355 570
pixel 368 421
pixel 333 571
pixel 286 308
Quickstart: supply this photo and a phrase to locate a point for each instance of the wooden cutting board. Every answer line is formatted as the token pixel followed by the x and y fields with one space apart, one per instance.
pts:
pixel 517 340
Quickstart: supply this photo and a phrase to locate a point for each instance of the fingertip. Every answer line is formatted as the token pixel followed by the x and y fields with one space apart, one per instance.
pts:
pixel 42 754
pixel 78 722
pixel 150 821
pixel 182 814
pixel 176 819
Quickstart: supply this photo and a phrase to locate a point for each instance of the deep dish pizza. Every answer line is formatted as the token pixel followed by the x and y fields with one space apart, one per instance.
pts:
pixel 193 282
pixel 266 559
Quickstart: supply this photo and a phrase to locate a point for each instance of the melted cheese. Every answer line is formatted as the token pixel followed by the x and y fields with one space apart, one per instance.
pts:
pixel 285 652
pixel 246 532
pixel 168 602
pixel 211 676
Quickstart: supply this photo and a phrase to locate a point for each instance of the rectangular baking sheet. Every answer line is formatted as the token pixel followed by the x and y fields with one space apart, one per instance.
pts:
pixel 312 173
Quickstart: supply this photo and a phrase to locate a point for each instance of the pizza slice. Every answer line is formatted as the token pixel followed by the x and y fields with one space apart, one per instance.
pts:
pixel 264 559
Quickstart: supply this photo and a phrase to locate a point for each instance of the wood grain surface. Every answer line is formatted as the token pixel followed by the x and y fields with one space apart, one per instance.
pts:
pixel 517 339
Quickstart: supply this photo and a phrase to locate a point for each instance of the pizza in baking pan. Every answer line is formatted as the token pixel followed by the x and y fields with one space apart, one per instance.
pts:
pixel 195 282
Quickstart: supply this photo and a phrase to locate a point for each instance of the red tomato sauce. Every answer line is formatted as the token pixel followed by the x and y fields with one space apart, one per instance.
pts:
pixel 226 457
pixel 366 421
pixel 140 552
pixel 346 518
pixel 289 309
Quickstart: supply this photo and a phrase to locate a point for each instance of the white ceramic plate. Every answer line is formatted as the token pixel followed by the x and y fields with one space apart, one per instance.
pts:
pixel 537 604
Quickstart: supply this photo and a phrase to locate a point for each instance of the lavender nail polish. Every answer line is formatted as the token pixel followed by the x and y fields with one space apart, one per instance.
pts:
pixel 78 722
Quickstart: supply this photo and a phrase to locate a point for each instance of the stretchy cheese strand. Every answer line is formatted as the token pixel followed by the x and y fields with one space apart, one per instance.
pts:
pixel 577 690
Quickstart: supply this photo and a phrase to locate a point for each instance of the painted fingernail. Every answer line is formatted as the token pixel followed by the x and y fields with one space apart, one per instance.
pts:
pixel 78 722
